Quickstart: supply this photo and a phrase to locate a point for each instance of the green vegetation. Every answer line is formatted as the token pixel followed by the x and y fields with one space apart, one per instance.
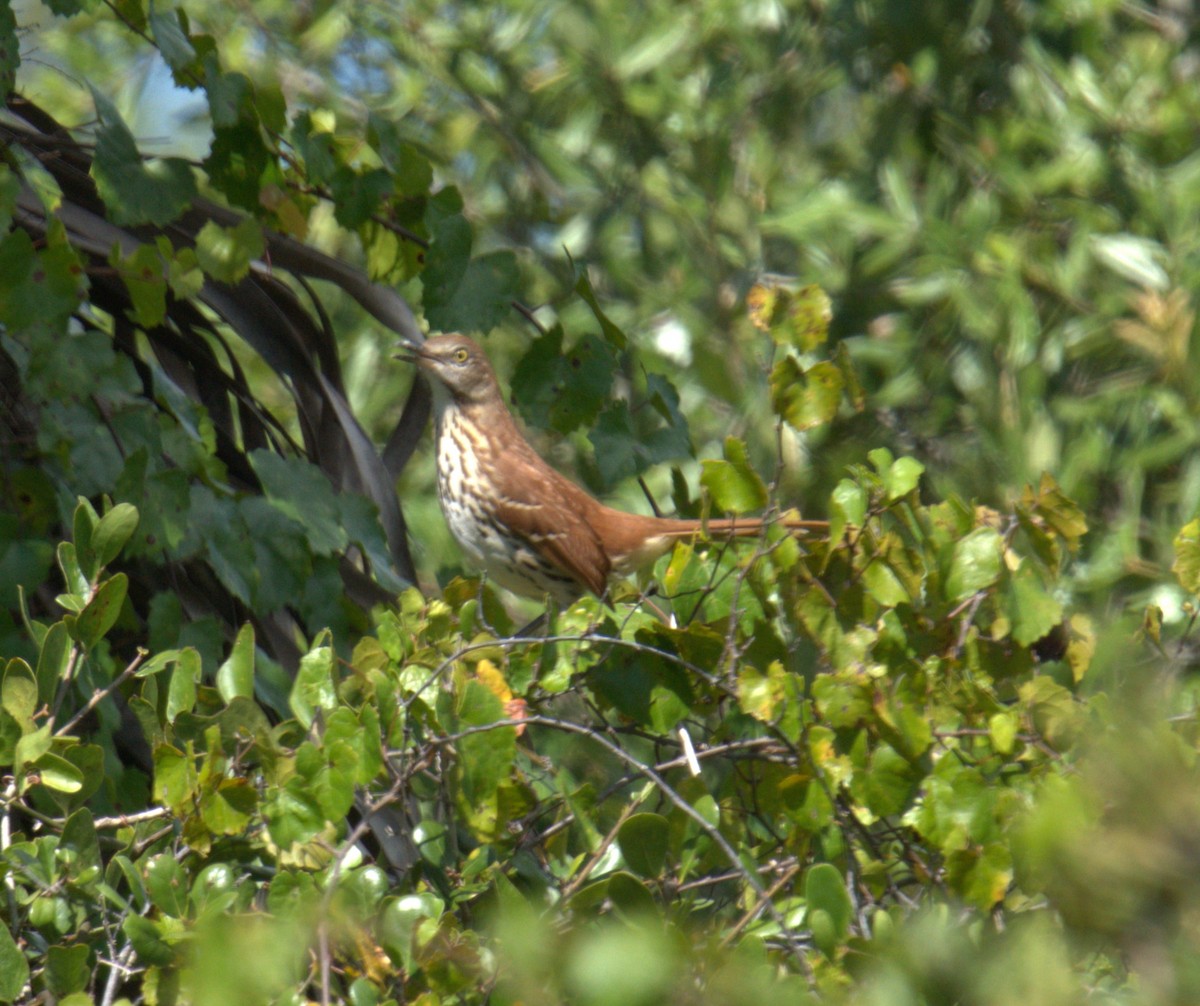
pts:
pixel 926 269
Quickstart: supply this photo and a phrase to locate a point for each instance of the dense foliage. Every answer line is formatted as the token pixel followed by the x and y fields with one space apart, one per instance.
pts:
pixel 929 269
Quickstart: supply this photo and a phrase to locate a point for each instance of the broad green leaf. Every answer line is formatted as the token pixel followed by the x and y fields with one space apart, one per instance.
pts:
pixel 53 658
pixel 181 692
pixel 236 163
pixel 848 508
pixel 303 492
pixel 39 291
pixel 975 564
pixel 235 677
pixel 228 807
pixel 825 891
pixel 314 685
pixel 986 879
pixel 101 612
pixel 19 691
pixel 167 885
pixel 175 778
pixel 58 774
pixel 171 38
pixel 113 532
pixel 83 527
pixel 1186 566
pixel 1032 610
pixel 358 195
pixel 630 897
pixel 225 253
pixel 643 840
pixel 563 390
pixel 733 484
pixel 883 584
pixel 805 398
pixel 136 190
pixel 483 297
pixel 1002 728
pixel 14 968
pixel 145 276
pixel 399 921
pixel 32 746
pixel 902 477
pixel 67 970
pixel 760 693
pixel 147 939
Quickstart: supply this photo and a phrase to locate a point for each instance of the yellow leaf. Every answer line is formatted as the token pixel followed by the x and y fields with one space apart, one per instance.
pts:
pixel 491 677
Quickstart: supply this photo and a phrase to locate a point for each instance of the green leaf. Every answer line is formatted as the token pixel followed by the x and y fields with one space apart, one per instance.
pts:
pixel 167 885
pixel 975 564
pixel 643 840
pixel 113 532
pixel 883 584
pixel 52 660
pixel 358 194
pixel 805 398
pixel 225 253
pixel 32 747
pixel 136 191
pixel 481 300
pixel 1032 610
pixel 1186 566
pixel 181 693
pixel 236 163
pixel 175 778
pixel 825 891
pixel 229 806
pixel 759 693
pixel 486 758
pixel 83 527
pixel 58 774
pixel 303 492
pixel 19 691
pixel 1002 728
pixel 67 969
pixel 563 391
pixel 147 940
pixel 144 275
pixel 630 897
pixel 230 97
pixel 583 286
pixel 808 316
pixel 733 484
pixel 902 477
pixel 101 612
pixel 235 677
pixel 14 969
pixel 848 507
pixel 170 36
pixel 314 686
pixel 39 291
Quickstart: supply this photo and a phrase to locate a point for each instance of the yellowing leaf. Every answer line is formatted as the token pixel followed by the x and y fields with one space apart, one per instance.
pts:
pixel 492 678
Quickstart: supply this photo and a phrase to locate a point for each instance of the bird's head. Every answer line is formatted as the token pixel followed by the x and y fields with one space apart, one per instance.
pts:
pixel 456 363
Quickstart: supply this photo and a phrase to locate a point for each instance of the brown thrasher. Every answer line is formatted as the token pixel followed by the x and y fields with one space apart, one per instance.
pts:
pixel 533 531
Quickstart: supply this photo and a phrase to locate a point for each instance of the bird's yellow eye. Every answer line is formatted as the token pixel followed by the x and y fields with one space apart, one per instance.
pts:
pixel 460 356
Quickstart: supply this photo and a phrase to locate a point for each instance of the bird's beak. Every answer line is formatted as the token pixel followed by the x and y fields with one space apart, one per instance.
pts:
pixel 410 352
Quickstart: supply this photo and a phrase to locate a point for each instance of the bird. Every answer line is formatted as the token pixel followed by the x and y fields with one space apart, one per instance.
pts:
pixel 529 528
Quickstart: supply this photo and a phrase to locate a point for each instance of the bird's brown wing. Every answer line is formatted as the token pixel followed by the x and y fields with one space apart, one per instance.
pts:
pixel 550 513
